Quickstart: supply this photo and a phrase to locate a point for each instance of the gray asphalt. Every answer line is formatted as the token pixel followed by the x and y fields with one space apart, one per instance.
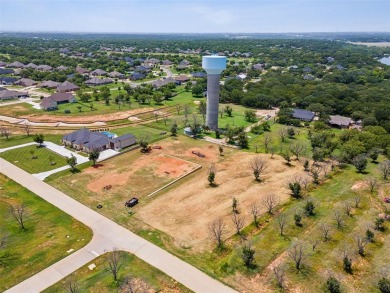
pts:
pixel 106 236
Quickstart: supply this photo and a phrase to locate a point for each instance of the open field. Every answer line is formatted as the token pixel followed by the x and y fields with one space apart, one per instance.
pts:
pixel 22 158
pixel 49 235
pixel 182 211
pixel 100 280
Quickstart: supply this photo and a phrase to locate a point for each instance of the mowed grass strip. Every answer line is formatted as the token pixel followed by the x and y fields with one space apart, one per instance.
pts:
pixel 23 158
pixel 48 236
pixel 100 279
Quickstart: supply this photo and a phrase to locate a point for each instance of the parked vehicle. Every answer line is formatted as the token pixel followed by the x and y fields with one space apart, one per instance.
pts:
pixel 131 202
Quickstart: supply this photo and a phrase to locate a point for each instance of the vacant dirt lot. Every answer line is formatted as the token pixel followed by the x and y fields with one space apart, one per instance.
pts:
pixel 185 211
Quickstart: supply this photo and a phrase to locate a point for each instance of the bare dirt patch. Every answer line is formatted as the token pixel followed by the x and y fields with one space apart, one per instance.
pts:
pixel 145 174
pixel 185 212
pixel 359 185
pixel 90 118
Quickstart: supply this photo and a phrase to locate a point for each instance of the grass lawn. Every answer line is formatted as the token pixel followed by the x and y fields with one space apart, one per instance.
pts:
pixel 49 234
pixel 22 158
pixel 140 130
pixel 22 139
pixel 101 280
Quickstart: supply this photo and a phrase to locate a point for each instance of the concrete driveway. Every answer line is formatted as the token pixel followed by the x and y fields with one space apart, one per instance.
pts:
pixel 107 235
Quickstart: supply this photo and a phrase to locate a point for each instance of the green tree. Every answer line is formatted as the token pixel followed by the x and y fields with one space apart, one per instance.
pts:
pixel 174 128
pixel 229 110
pixel 197 90
pixel 360 163
pixel 295 188
pixel 250 115
pixel 72 162
pixel 248 256
pixel 39 139
pixel 243 141
pixel 384 285
pixel 94 156
pixel 333 285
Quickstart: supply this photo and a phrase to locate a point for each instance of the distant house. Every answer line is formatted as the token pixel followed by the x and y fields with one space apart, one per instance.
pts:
pixel 142 69
pixel 95 81
pixel 307 69
pixel 308 77
pixel 31 65
pixel 329 59
pixel 258 66
pixel 86 140
pixel 340 121
pixel 137 76
pixel 161 82
pixel 51 102
pixel 241 76
pixel 303 115
pixel 98 72
pixel 26 82
pixel 152 61
pixel 49 84
pixel 64 51
pixel 9 95
pixel 45 68
pixel 81 70
pixel 3 64
pixel 6 71
pixel 167 62
pixel 16 64
pixel 67 86
pixel 5 80
pixel 116 74
pixel 182 78
pixel 198 74
pixel 62 67
pixel 48 104
pixel 183 64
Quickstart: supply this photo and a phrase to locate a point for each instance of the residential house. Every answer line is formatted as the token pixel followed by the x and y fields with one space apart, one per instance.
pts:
pixel 152 62
pixel 116 74
pixel 48 104
pixel 49 84
pixel 258 66
pixel 31 65
pixel 51 102
pixel 16 64
pixel 6 71
pixel 10 94
pixel 340 121
pixel 96 81
pixel 3 64
pixel 137 76
pixel 303 115
pixel 86 140
pixel 167 62
pixel 81 70
pixel 98 72
pixel 161 82
pixel 182 78
pixel 183 64
pixel 5 80
pixel 26 82
pixel 45 68
pixel 308 77
pixel 198 74
pixel 67 86
pixel 62 67
pixel 142 69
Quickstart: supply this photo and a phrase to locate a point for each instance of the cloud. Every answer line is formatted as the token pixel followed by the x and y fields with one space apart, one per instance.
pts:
pixel 213 15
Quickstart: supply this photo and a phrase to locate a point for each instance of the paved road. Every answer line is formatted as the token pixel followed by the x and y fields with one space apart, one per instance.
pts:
pixel 107 235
